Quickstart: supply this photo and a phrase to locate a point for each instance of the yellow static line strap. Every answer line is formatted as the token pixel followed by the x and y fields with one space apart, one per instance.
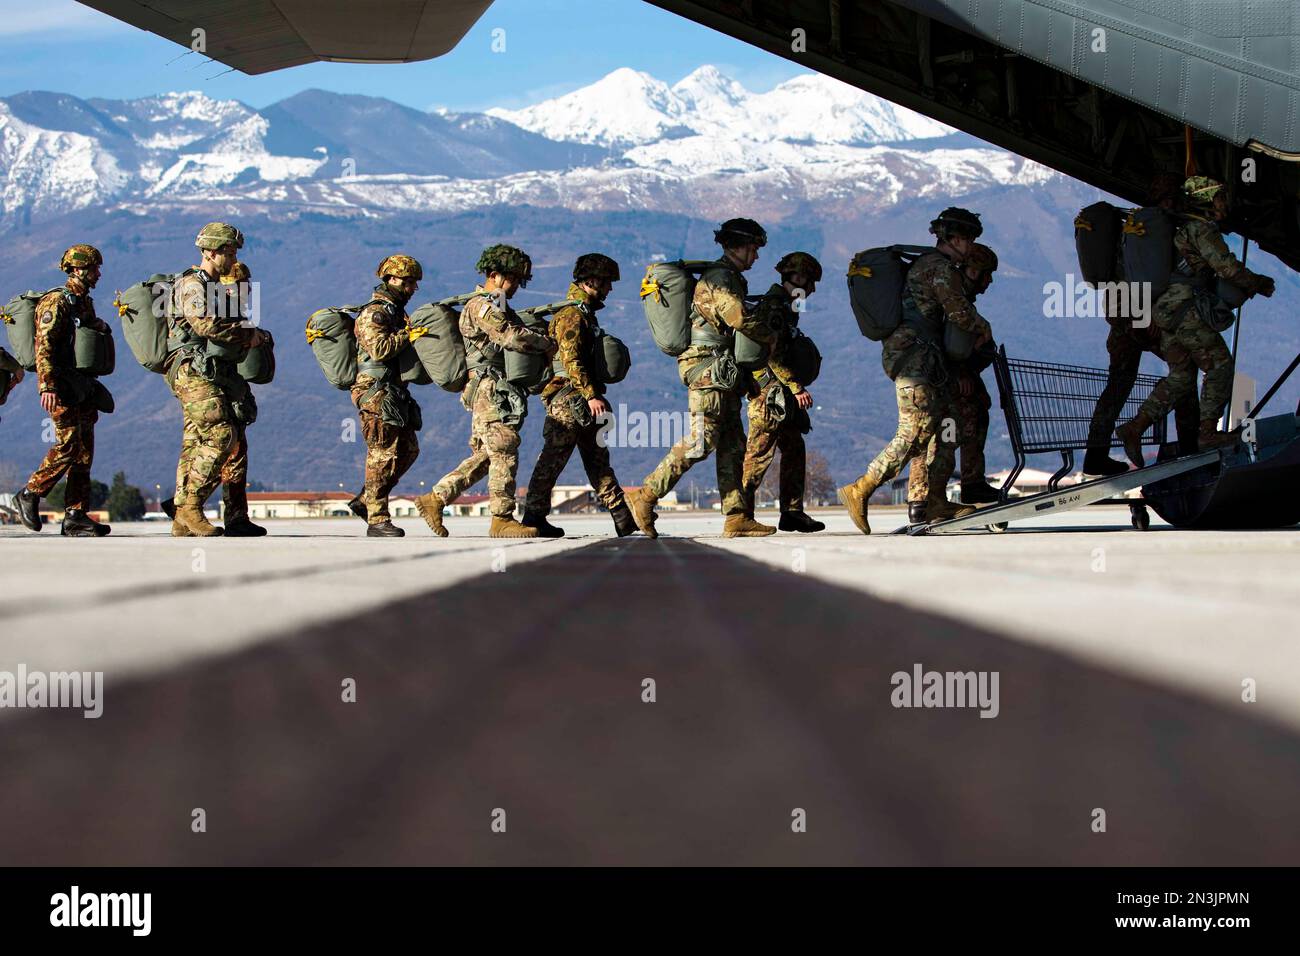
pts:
pixel 856 270
pixel 1081 223
pixel 415 331
pixel 1135 228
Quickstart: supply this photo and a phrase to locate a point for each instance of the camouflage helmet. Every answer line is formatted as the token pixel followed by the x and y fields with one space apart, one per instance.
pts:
pixel 403 267
pixel 80 256
pixel 507 260
pixel 982 258
pixel 740 232
pixel 956 221
pixel 801 262
pixel 217 234
pixel 1201 189
pixel 239 273
pixel 595 266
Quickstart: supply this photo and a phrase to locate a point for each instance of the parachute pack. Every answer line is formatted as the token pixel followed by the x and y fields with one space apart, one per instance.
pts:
pixel 95 352
pixel 667 291
pixel 877 280
pixel 19 317
pixel 1097 231
pixel 257 366
pixel 610 359
pixel 439 347
pixel 143 309
pixel 531 370
pixel 1147 248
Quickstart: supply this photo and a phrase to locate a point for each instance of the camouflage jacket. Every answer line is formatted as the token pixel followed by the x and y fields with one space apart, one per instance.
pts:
pixel 190 300
pixel 1200 245
pixel 488 331
pixel 57 316
pixel 719 304
pixel 776 311
pixel 382 329
pixel 936 287
pixel 572 329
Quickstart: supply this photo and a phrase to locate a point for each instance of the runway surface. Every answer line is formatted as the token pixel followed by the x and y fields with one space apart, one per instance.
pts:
pixel 506 681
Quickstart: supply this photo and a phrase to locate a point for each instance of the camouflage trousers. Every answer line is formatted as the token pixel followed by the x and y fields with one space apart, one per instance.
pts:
pixel 715 428
pixel 390 452
pixel 972 415
pixel 234 472
pixel 1124 346
pixel 920 410
pixel 766 438
pixel 495 453
pixel 561 433
pixel 1189 346
pixel 73 454
pixel 210 428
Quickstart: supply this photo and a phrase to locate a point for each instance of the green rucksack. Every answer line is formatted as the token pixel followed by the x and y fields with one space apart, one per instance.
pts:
pixel 144 308
pixel 95 352
pixel 877 280
pixel 257 367
pixel 20 318
pixel 667 292
pixel 333 341
pixel 610 359
pixel 532 370
pixel 440 347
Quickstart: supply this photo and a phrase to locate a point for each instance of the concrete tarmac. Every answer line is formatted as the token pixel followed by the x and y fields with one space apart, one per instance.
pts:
pixel 511 676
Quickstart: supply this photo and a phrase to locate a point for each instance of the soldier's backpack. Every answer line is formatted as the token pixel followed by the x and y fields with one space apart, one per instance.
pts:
pixel 532 370
pixel 803 358
pixel 667 291
pixel 877 281
pixel 95 352
pixel 144 308
pixel 1097 231
pixel 333 341
pixel 440 347
pixel 257 367
pixel 610 359
pixel 1147 248
pixel 19 316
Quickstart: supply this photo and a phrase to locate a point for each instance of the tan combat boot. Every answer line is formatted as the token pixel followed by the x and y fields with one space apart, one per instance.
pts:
pixel 192 519
pixel 1210 436
pixel 180 531
pixel 510 528
pixel 1131 435
pixel 430 507
pixel 743 526
pixel 642 506
pixel 938 508
pixel 854 498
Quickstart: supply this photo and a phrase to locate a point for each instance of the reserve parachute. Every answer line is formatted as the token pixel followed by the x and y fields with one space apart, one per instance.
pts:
pixel 1097 231
pixel 877 279
pixel 19 317
pixel 610 358
pixel 94 351
pixel 532 370
pixel 667 292
pixel 257 365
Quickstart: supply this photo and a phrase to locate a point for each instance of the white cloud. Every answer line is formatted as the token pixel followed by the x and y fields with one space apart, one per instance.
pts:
pixel 22 18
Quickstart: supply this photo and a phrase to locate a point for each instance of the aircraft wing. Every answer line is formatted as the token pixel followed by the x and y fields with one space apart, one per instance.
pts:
pixel 258 36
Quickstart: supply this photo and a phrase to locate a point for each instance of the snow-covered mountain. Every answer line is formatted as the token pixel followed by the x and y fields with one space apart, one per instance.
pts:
pixel 629 108
pixel 705 145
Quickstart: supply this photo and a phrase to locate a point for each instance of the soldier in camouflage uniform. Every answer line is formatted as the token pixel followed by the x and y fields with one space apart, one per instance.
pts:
pixel 1125 344
pixel 1186 338
pixel 575 402
pixel 970 398
pixel 913 357
pixel 202 376
pixel 715 385
pixel 67 396
pixel 497 407
pixel 234 473
pixel 390 418
pixel 778 413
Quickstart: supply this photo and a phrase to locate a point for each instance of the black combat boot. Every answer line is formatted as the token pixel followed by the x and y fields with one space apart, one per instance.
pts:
pixel 385 529
pixel 29 510
pixel 980 493
pixel 169 508
pixel 1097 462
pixel 78 524
pixel 624 523
pixel 799 521
pixel 545 529
pixel 917 513
pixel 241 527
pixel 358 507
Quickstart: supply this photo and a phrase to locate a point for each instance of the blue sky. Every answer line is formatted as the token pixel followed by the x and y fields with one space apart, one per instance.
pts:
pixel 552 47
